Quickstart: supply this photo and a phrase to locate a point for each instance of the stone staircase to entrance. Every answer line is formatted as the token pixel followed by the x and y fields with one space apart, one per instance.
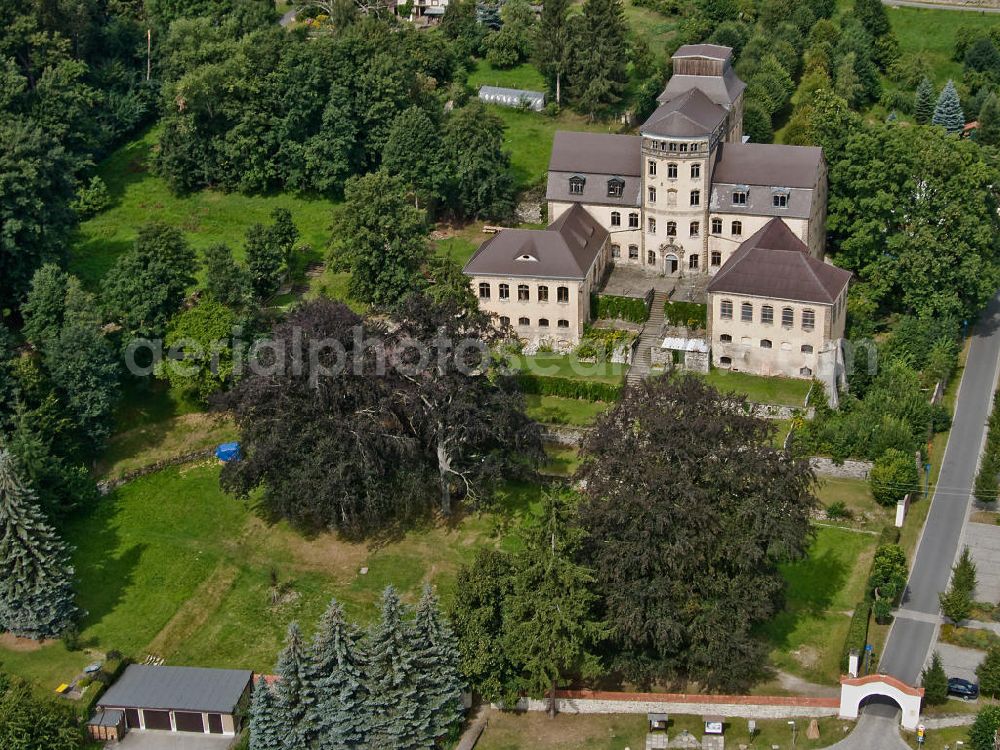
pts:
pixel 650 337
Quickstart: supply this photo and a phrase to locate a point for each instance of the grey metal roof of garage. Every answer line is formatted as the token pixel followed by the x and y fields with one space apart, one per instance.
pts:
pixel 178 689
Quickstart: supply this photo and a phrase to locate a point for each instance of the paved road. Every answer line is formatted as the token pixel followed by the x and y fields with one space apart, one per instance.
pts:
pixel 873 732
pixel 939 6
pixel 911 637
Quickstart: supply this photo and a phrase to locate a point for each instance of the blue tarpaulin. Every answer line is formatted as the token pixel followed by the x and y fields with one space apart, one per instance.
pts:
pixel 228 452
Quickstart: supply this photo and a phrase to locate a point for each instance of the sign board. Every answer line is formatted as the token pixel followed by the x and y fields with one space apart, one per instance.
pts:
pixel 713 727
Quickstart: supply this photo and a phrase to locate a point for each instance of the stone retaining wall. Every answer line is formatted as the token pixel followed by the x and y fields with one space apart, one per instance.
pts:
pixel 849 469
pixel 955 720
pixel 730 706
pixel 558 435
pixel 109 485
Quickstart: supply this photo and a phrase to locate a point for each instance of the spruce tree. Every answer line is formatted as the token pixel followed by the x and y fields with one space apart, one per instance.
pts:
pixel 267 727
pixel 335 692
pixel 553 46
pixel 948 111
pixel 600 71
pixel 438 664
pixel 36 579
pixel 397 715
pixel 988 133
pixel 963 575
pixel 293 674
pixel 923 105
pixel 935 682
pixel 988 673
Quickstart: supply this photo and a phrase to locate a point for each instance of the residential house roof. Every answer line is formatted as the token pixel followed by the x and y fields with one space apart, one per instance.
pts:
pixel 566 249
pixel 596 153
pixel 775 263
pixel 712 51
pixel 692 113
pixel 768 164
pixel 178 688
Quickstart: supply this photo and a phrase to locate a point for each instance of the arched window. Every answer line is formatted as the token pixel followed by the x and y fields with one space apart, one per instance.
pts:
pixel 695 228
pixel 543 294
pixel 787 317
pixel 726 309
pixel 737 229
pixel 523 322
pixel 576 184
pixel 522 293
pixel 563 324
pixel 484 290
pixel 692 261
pixel 504 321
pixel 671 229
pixel 805 372
pixel 616 186
pixel 807 349
pixel 651 168
pixel 633 220
pixel 808 320
pixel 746 312
pixel 725 361
pixel 767 314
pixel 695 197
pixel 543 322
pixel 616 218
pixel 504 291
pixel 651 195
pixel 562 294
pixel 616 251
pixel 695 171
pixel 672 171
pixel 716 225
pixel 716 258
pixel 765 343
pixel 726 338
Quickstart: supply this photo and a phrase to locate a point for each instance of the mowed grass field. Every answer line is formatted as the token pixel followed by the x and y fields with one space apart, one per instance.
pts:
pixel 932 32
pixel 206 216
pixel 172 566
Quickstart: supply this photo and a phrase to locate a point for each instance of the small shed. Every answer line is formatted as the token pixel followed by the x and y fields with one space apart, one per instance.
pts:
pixel 516 98
pixel 107 726
pixel 181 699
pixel 658 722
pixel 682 353
pixel 228 452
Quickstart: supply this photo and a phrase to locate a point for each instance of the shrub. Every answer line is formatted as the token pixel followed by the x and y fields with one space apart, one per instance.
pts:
pixel 888 535
pixel 988 673
pixel 601 343
pixel 689 314
pixel 893 477
pixel 987 486
pixel 935 682
pixel 889 573
pixel 552 385
pixel 613 307
pixel 857 632
pixel 983 731
pixel 956 604
pixel 92 199
pixel 838 510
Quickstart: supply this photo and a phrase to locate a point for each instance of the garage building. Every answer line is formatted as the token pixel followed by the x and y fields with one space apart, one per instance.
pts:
pixel 181 699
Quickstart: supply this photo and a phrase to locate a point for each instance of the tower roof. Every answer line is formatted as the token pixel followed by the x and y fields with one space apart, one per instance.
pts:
pixel 692 113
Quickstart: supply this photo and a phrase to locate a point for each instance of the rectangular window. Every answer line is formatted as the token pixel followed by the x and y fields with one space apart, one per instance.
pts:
pixel 682 146
pixel 522 293
pixel 695 197
pixel 695 229
pixel 671 147
pixel 746 312
pixel 808 320
pixel 616 219
pixel 543 294
pixel 767 314
pixel 695 171
pixel 739 198
pixel 737 229
pixel 781 200
pixel 787 317
pixel 633 221
pixel 651 225
pixel 651 166
pixel 633 252
pixel 576 185
pixel 716 226
pixel 616 251
pixel 652 195
pixel 562 294
pixel 672 171
pixel 726 310
pixel 504 291
pixel 484 291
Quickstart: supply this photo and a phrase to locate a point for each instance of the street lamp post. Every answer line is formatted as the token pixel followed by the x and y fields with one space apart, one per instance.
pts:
pixel 792 725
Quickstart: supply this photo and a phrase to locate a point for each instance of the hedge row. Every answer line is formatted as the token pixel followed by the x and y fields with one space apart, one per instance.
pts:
pixel 613 307
pixel 689 314
pixel 109 674
pixel 553 385
pixel 987 485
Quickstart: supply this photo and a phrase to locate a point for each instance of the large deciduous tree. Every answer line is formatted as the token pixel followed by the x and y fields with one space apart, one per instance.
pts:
pixel 36 579
pixel 481 182
pixel 690 511
pixel 380 237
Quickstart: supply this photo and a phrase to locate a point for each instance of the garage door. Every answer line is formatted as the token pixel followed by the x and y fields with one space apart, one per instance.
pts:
pixel 156 719
pixel 188 722
pixel 132 718
pixel 215 723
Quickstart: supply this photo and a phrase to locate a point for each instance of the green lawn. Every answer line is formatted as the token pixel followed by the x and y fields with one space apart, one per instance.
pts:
pixel 856 495
pixel 806 638
pixel 561 460
pixel 568 366
pixel 170 565
pixel 783 391
pixel 932 32
pixel 524 76
pixel 206 217
pixel 564 411
pixel 655 29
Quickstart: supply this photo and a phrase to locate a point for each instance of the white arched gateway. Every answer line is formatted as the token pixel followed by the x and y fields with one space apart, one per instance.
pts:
pixel 855 690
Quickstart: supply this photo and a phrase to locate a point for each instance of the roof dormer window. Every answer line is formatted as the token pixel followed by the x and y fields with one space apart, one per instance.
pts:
pixel 576 183
pixel 616 187
pixel 739 197
pixel 780 199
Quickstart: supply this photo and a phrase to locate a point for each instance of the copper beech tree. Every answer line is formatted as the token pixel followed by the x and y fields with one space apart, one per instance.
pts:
pixel 689 510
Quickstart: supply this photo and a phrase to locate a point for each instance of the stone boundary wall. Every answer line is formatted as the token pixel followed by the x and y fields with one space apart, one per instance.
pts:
pixel 730 706
pixel 558 435
pixel 849 469
pixel 108 485
pixel 955 720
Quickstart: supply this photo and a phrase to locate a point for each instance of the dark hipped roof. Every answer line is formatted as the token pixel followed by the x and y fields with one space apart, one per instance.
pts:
pixel 775 263
pixel 178 688
pixel 595 189
pixel 690 114
pixel 596 153
pixel 566 249
pixel 768 164
pixel 712 51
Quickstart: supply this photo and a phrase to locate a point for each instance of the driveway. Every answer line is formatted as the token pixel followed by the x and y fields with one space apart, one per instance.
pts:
pixel 152 740
pixel 873 732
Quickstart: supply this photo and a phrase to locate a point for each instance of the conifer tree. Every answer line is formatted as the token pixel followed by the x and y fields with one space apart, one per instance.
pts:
pixel 293 674
pixel 935 682
pixel 923 105
pixel 963 576
pixel 438 665
pixel 267 728
pixel 36 579
pixel 335 692
pixel 988 133
pixel 600 71
pixel 948 111
pixel 553 46
pixel 397 715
